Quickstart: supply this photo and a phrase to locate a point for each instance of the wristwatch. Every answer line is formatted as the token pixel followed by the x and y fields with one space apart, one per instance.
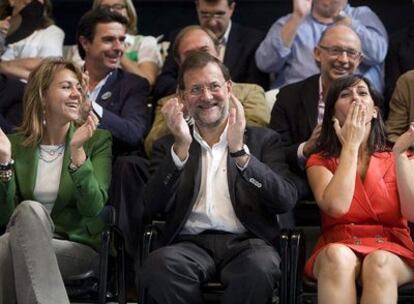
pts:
pixel 341 15
pixel 243 151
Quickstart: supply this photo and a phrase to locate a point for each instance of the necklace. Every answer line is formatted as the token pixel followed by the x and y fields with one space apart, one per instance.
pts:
pixel 50 153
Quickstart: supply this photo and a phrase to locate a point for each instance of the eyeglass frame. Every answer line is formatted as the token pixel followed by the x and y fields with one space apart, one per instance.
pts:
pixel 115 6
pixel 204 87
pixel 336 51
pixel 217 15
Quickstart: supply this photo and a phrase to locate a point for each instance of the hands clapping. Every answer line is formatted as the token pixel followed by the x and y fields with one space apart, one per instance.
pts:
pixel 5 148
pixel 301 8
pixel 237 124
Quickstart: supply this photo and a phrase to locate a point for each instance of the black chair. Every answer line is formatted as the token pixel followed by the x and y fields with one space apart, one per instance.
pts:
pixel 304 291
pixel 109 283
pixel 214 289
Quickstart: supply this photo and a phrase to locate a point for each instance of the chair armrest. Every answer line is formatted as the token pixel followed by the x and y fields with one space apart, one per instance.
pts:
pixel 297 260
pixel 284 265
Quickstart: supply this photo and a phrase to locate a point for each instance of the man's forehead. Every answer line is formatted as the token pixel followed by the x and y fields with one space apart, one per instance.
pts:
pixel 341 35
pixel 110 27
pixel 207 74
pixel 216 6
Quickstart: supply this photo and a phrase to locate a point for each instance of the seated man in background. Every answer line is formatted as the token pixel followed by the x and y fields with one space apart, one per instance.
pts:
pixel 195 38
pixel 220 186
pixel 237 45
pixel 119 98
pixel 298 112
pixel 28 34
pixel 401 107
pixel 287 50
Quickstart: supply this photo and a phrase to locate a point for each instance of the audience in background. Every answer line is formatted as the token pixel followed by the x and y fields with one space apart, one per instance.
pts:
pixel 287 50
pixel 195 38
pixel 298 113
pixel 219 185
pixel 237 46
pixel 365 193
pixel 54 179
pixel 29 35
pixel 399 59
pixel 141 56
pixel 401 107
pixel 118 98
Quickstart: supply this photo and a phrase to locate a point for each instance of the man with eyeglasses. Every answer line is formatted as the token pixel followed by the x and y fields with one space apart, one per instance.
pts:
pixel 220 186
pixel 195 38
pixel 237 47
pixel 298 112
pixel 287 50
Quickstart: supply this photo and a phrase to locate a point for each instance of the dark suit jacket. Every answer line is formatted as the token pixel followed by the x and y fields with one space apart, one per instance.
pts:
pixel 124 100
pixel 239 58
pixel 11 102
pixel 294 116
pixel 399 59
pixel 258 193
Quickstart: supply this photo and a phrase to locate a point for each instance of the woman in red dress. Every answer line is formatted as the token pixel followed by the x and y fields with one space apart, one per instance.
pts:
pixel 366 194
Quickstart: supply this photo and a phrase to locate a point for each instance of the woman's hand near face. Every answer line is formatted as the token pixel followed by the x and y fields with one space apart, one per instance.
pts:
pixel 5 148
pixel 352 133
pixel 81 135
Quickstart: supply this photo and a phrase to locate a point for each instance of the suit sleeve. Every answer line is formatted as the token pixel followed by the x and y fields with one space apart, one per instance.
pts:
pixel 92 179
pixel 400 103
pixel 270 177
pixel 161 188
pixel 131 123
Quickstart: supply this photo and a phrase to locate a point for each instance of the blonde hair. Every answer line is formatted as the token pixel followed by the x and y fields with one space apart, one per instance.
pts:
pixel 131 12
pixel 37 86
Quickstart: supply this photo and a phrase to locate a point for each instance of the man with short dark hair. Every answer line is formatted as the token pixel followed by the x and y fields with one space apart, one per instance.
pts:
pixel 219 185
pixel 238 45
pixel 118 97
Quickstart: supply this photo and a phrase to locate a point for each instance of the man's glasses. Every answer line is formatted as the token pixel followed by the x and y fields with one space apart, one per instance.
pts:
pixel 208 16
pixel 198 89
pixel 337 51
pixel 115 7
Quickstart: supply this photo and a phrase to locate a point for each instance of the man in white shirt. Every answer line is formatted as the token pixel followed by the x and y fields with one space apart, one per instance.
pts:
pixel 219 185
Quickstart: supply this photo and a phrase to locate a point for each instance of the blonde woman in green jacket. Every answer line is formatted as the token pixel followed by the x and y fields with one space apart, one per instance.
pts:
pixel 54 180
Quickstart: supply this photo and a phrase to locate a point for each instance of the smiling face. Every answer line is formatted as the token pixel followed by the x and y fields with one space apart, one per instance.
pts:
pixel 210 107
pixel 63 98
pixel 107 47
pixel 334 65
pixel 358 93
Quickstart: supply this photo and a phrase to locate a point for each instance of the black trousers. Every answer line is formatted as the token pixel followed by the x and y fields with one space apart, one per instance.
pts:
pixel 247 267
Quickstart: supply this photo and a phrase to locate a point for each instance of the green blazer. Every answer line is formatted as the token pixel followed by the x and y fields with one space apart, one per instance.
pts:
pixel 82 193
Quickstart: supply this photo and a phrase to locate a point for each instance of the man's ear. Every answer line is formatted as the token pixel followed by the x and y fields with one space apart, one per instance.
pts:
pixel 230 86
pixel 317 54
pixel 84 43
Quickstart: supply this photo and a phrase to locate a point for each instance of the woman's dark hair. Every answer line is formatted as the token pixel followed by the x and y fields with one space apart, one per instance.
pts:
pixel 329 143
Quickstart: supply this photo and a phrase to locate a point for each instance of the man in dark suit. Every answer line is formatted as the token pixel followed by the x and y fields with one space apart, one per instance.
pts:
pixel 220 186
pixel 118 97
pixel 238 45
pixel 298 112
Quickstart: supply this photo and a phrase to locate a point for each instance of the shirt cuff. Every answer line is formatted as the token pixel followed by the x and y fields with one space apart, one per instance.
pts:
pixel 177 161
pixel 97 108
pixel 301 157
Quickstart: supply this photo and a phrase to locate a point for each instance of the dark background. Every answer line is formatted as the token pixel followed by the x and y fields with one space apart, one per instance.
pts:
pixel 156 17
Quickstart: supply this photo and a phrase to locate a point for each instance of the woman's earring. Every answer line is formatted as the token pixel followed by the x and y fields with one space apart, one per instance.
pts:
pixel 44 117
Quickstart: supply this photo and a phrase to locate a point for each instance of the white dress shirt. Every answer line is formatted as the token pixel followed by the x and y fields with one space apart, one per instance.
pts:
pixel 213 209
pixel 93 95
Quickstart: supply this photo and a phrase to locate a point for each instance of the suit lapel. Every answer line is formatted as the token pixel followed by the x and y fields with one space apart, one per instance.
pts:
pixel 106 93
pixel 26 169
pixel 231 55
pixel 310 100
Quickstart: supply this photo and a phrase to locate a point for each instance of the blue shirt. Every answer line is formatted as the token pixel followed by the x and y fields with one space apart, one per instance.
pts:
pixel 296 63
